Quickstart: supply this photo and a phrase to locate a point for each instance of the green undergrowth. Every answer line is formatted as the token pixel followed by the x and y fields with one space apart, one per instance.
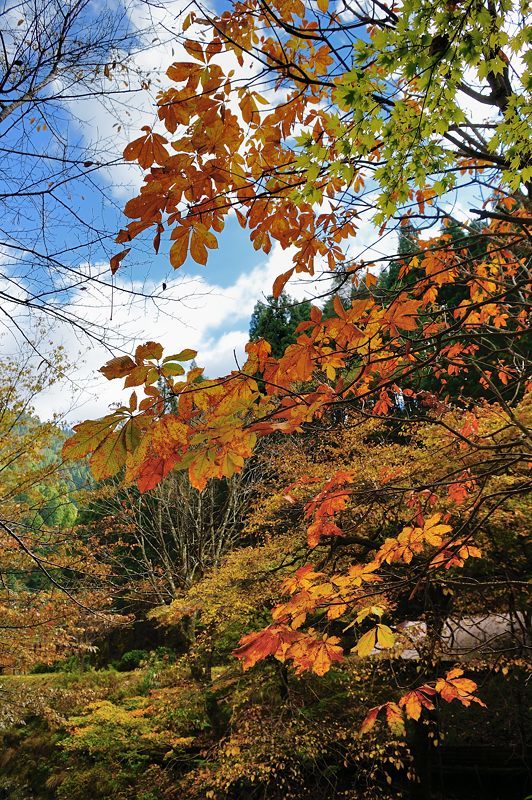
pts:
pixel 160 733
pixel 156 733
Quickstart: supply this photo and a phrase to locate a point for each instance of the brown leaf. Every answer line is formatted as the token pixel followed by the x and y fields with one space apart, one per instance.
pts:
pixel 118 367
pixel 116 259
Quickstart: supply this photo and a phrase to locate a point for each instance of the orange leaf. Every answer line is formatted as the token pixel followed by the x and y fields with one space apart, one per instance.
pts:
pixel 413 702
pixel 370 719
pixel 153 471
pixel 179 249
pixel 326 652
pixel 151 350
pixel 454 687
pixel 281 281
pixel 394 718
pixel 147 149
pixel 116 259
pixel 88 435
pixel 257 646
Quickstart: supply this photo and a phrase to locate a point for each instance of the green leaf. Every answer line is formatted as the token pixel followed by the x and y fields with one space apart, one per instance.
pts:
pixel 184 355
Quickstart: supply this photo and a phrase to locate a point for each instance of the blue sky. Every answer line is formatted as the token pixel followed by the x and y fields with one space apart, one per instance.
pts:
pixel 207 308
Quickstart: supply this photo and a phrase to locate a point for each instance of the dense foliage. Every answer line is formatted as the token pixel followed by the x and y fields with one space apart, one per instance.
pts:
pixel 277 320
pixel 335 533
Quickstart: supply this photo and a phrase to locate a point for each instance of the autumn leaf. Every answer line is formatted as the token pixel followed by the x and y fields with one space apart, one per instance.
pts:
pixel 153 471
pixel 370 719
pixel 325 654
pixel 183 355
pixel 147 149
pixel 455 687
pixel 116 259
pixel 118 367
pixel 88 435
pixel 394 718
pixel 150 350
pixel 385 636
pixel 182 70
pixel 366 643
pixel 259 645
pixel 434 530
pixel 303 578
pixel 203 467
pixel 110 455
pixel 136 377
pixel 416 700
pixel 179 249
pixel 403 314
pixel 280 282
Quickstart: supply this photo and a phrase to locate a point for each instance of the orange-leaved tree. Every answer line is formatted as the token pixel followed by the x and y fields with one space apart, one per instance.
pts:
pixel 308 122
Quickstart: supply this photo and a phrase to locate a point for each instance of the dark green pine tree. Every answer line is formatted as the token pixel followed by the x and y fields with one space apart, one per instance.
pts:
pixel 276 321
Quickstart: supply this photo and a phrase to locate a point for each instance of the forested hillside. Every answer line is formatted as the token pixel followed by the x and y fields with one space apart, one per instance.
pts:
pixel 307 578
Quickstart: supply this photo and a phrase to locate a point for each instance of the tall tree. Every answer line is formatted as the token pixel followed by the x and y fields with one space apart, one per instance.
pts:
pixel 367 113
pixel 52 586
pixel 276 320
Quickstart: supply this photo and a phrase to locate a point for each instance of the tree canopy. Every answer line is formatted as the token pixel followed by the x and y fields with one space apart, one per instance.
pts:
pixel 308 123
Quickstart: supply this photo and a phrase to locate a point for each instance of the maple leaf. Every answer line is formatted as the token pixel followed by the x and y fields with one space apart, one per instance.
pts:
pixel 402 314
pixel 325 654
pixel 317 655
pixel 319 529
pixel 259 645
pixel 303 578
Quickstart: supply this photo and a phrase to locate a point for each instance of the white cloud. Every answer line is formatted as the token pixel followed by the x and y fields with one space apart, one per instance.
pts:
pixel 109 122
pixel 190 313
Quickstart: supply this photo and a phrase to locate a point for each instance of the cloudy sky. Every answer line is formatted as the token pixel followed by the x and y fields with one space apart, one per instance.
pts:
pixel 207 309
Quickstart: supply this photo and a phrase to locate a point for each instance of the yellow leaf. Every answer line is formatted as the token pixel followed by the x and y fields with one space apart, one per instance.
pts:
pixel 385 636
pixel 366 643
